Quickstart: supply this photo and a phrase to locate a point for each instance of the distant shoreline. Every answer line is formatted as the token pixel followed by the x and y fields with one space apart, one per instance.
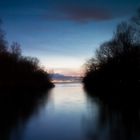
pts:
pixel 64 82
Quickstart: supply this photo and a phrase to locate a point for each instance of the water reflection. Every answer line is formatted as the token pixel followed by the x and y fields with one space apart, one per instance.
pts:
pixel 61 118
pixel 58 114
pixel 16 107
pixel 65 113
pixel 121 122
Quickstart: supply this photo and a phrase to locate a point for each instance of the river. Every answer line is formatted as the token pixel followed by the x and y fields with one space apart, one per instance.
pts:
pixel 65 113
pixel 61 117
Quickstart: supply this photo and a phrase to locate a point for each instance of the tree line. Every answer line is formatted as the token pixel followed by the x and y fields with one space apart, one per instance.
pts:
pixel 115 69
pixel 18 71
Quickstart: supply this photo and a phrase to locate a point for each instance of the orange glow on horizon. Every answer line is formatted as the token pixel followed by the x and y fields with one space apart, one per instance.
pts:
pixel 68 71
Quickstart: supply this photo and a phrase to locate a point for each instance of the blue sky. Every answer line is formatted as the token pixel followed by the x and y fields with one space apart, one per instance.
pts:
pixel 63 34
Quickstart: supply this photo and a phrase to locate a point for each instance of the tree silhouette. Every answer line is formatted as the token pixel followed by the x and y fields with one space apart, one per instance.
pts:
pixel 18 71
pixel 117 63
pixel 3 42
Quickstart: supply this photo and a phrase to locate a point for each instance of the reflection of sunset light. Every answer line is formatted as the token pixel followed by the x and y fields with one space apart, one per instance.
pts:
pixel 62 101
pixel 67 81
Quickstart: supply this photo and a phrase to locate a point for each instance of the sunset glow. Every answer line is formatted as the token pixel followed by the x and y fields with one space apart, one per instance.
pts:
pixel 62 34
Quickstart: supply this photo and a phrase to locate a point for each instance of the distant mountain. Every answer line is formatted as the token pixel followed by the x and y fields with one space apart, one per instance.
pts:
pixel 63 78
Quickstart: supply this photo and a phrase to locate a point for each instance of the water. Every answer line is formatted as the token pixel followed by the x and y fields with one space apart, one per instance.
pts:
pixel 61 117
pixel 65 113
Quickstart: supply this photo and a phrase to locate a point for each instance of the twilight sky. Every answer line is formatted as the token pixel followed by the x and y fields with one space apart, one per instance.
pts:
pixel 63 34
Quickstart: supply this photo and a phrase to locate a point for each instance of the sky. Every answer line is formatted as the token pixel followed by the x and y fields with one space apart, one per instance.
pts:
pixel 63 34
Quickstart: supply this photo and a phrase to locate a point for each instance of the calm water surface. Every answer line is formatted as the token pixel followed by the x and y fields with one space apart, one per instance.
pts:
pixel 64 115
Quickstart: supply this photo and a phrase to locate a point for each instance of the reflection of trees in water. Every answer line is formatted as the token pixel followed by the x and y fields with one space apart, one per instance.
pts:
pixel 114 123
pixel 16 109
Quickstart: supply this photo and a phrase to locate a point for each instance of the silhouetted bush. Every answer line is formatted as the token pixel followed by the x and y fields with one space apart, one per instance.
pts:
pixel 116 66
pixel 18 71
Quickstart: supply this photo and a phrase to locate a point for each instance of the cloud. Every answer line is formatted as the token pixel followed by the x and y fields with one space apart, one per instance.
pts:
pixel 79 14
